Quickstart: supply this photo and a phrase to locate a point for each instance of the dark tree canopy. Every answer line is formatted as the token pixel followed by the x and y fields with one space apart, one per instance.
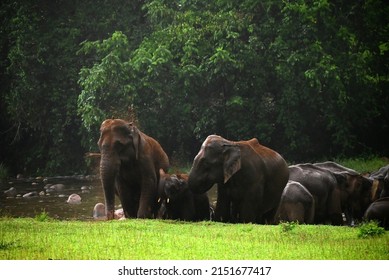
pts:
pixel 307 78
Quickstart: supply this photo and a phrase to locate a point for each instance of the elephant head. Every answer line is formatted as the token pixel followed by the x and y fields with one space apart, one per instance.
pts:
pixel 119 143
pixel 170 186
pixel 217 161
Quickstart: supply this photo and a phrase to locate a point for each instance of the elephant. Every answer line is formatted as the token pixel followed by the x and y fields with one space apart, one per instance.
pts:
pixel 250 178
pixel 297 204
pixel 358 192
pixel 379 211
pixel 381 178
pixel 129 167
pixel 179 202
pixel 325 187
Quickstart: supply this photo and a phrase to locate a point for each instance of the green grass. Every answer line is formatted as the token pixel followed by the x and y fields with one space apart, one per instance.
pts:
pixel 29 239
pixel 364 165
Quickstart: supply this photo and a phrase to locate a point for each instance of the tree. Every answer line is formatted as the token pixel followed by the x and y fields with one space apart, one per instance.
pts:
pixel 42 66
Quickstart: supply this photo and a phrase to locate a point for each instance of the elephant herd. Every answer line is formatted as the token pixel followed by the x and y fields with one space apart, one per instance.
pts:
pixel 254 183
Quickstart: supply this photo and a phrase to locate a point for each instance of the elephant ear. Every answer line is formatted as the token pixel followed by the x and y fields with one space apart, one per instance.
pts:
pixel 136 139
pixel 232 161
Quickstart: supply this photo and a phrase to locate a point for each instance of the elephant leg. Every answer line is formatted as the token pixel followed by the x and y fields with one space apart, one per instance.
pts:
pixel 187 212
pixel 249 212
pixel 309 215
pixel 129 199
pixel 223 206
pixel 148 199
pixel 335 209
pixel 296 212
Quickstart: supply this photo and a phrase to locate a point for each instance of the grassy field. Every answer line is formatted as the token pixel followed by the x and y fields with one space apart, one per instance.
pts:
pixel 30 239
pixel 43 238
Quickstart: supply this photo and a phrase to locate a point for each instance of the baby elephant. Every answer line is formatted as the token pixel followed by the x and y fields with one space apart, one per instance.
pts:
pixel 297 204
pixel 177 200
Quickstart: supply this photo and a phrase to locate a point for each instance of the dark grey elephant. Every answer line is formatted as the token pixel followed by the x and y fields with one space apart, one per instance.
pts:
pixel 297 204
pixel 325 187
pixel 250 178
pixel 357 193
pixel 379 211
pixel 178 202
pixel 129 167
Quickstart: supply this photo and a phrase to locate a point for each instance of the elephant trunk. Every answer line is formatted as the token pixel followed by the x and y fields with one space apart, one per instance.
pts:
pixel 108 171
pixel 197 184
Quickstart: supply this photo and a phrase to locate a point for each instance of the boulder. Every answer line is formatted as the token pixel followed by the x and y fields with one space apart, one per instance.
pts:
pixel 57 187
pixel 11 192
pixel 31 194
pixel 99 211
pixel 74 199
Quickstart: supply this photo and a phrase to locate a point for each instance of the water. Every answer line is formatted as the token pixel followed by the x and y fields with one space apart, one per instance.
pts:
pixel 50 201
pixel 54 202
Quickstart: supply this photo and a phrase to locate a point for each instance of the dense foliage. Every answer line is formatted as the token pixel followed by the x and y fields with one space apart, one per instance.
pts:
pixel 307 78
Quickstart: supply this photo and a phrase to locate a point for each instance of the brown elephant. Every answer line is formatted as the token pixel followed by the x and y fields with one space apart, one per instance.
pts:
pixel 129 167
pixel 179 202
pixel 250 178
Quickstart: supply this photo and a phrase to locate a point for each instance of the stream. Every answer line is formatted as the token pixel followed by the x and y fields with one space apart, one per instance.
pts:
pixel 34 196
pixel 50 195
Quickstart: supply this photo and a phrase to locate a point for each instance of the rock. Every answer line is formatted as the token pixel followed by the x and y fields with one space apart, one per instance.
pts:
pixel 57 187
pixel 119 214
pixel 30 194
pixel 99 211
pixel 42 193
pixel 11 192
pixel 85 189
pixel 19 176
pixel 74 199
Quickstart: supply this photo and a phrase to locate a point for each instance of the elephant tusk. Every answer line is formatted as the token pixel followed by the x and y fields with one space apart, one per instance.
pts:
pixel 159 200
pixel 168 200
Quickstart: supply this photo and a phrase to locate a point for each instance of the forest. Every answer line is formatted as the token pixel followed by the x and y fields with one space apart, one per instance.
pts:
pixel 308 78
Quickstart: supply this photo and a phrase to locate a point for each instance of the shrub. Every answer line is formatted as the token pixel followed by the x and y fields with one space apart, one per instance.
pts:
pixel 288 226
pixel 42 217
pixel 370 229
